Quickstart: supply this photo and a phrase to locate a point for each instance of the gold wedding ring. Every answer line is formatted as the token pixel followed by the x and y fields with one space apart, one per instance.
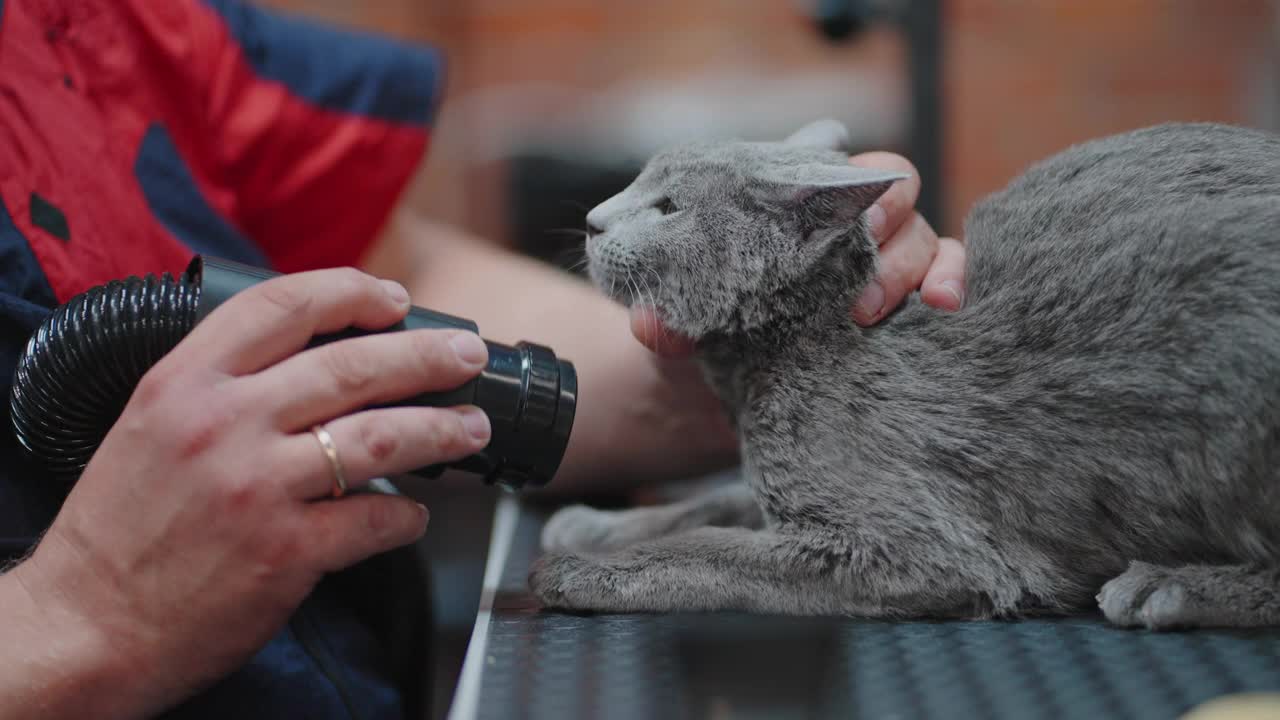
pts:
pixel 331 452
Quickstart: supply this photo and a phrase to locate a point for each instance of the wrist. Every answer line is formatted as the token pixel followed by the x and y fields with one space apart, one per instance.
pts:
pixel 58 664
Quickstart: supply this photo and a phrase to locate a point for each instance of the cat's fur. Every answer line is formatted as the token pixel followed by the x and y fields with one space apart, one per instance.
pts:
pixel 1099 426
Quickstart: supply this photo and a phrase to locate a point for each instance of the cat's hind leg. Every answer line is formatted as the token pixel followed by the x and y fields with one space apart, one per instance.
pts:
pixel 579 528
pixel 1162 598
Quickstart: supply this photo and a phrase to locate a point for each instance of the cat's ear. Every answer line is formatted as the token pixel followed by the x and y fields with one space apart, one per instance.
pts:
pixel 825 134
pixel 824 194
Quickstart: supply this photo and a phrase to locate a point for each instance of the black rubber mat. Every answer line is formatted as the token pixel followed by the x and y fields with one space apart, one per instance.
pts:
pixel 549 665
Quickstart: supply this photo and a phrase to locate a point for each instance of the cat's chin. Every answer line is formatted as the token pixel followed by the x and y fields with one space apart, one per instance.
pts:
pixel 648 327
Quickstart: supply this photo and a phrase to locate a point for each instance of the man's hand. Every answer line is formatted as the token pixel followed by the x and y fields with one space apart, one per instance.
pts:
pixel 206 515
pixel 912 257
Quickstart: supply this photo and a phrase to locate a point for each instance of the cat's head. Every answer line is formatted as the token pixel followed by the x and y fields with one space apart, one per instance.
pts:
pixel 727 236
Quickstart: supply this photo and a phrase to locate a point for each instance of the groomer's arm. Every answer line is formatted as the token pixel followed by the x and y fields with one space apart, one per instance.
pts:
pixel 640 417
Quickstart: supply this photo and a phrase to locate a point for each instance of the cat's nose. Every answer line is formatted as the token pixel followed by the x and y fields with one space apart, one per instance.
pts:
pixel 595 222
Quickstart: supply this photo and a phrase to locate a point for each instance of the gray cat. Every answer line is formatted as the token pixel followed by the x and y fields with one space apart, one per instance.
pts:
pixel 1098 427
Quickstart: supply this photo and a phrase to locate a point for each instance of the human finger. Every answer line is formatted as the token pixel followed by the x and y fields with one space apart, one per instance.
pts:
pixel 904 260
pixel 267 322
pixel 341 377
pixel 896 206
pixel 649 329
pixel 343 533
pixel 943 287
pixel 380 443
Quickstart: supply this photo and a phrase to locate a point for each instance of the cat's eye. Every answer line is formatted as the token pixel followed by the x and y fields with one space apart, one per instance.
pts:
pixel 665 206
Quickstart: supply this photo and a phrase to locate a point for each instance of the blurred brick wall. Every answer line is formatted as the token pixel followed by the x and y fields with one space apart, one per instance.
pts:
pixel 557 55
pixel 1022 78
pixel 1025 78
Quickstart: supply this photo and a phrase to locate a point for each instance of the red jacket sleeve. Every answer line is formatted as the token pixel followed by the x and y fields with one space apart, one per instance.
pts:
pixel 306 134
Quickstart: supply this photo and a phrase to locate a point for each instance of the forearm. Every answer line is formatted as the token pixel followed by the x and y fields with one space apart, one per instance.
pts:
pixel 54 665
pixel 634 424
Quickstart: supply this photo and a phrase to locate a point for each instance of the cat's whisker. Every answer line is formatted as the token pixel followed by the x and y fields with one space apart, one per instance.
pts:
pixel 633 288
pixel 576 267
pixel 575 259
pixel 578 232
pixel 662 329
pixel 649 297
pixel 640 296
pixel 658 327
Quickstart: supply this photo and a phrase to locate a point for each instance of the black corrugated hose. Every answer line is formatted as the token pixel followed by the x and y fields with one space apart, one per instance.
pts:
pixel 83 363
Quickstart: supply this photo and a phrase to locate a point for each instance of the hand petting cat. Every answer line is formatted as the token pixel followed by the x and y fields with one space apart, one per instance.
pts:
pixel 912 257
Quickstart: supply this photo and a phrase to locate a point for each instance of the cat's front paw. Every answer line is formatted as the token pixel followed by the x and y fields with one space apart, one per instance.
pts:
pixel 579 528
pixel 1148 596
pixel 562 581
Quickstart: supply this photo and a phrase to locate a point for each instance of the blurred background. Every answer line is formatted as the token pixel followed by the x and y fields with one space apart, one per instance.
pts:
pixel 553 105
pixel 547 99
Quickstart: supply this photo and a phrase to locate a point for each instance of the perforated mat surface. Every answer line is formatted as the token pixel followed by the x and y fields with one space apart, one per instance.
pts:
pixel 545 665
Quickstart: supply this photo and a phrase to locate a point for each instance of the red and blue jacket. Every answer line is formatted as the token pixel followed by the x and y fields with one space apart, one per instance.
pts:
pixel 135 133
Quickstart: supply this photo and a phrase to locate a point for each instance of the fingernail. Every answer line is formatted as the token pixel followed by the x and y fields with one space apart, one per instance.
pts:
pixel 870 303
pixel 424 518
pixel 396 291
pixel 957 291
pixel 876 219
pixel 476 422
pixel 470 348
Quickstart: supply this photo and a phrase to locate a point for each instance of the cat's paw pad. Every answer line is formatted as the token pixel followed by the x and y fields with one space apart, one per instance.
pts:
pixel 578 528
pixel 1145 595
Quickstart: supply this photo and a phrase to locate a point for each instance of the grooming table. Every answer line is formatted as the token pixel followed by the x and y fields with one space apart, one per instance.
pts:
pixel 523 662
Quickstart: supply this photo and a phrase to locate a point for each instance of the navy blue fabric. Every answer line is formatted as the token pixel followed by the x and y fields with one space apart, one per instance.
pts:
pixel 287 678
pixel 337 69
pixel 279 680
pixel 25 294
pixel 25 301
pixel 175 198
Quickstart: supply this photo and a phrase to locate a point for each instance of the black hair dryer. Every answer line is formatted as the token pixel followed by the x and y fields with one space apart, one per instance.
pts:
pixel 82 364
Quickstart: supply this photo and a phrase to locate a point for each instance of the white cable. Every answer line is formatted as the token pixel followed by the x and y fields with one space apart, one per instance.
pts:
pixel 467 698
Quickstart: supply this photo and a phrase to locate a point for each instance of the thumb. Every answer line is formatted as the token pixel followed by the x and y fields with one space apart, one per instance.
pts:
pixel 649 329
